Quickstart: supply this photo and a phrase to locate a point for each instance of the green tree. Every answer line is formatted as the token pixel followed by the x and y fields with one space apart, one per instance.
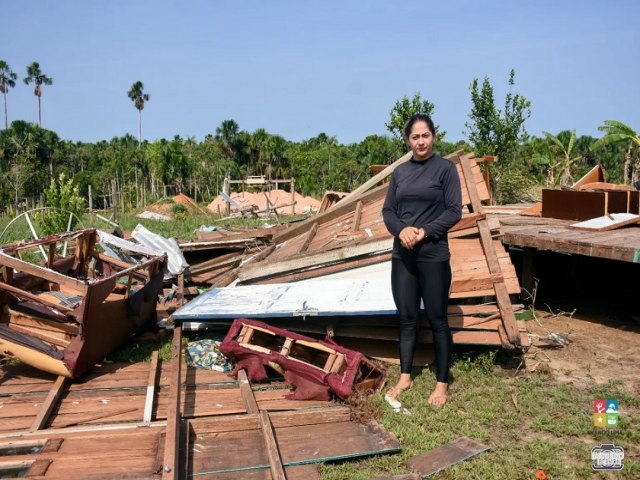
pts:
pixel 492 131
pixel 404 109
pixel 138 97
pixel 35 75
pixel 619 133
pixel 7 80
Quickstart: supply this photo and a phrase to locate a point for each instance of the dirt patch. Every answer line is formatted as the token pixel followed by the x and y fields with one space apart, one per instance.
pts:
pixel 259 201
pixel 179 203
pixel 603 345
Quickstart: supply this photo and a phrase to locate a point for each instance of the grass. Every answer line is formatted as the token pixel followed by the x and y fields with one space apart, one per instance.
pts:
pixel 529 421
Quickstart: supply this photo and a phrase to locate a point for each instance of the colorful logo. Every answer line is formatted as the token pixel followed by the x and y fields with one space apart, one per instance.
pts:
pixel 607 457
pixel 605 413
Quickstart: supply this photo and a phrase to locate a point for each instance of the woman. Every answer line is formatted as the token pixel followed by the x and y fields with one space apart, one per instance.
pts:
pixel 423 202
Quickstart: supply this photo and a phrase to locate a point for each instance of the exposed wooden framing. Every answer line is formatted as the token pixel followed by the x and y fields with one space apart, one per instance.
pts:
pixel 502 295
pixel 172 441
pixel 55 277
pixel 357 216
pixel 344 206
pixel 275 460
pixel 151 387
pixel 49 403
pixel 247 393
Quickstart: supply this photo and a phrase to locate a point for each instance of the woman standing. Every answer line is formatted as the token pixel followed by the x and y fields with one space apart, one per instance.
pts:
pixel 423 202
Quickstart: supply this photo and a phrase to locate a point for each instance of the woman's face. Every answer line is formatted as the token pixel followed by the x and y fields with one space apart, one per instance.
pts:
pixel 421 140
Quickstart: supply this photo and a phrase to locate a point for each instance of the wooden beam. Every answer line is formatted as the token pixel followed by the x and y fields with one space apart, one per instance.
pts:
pixel 247 393
pixel 275 460
pixel 151 387
pixel 377 178
pixel 501 292
pixel 49 403
pixel 172 441
pixel 357 216
pixel 308 238
pixel 50 275
pixel 35 298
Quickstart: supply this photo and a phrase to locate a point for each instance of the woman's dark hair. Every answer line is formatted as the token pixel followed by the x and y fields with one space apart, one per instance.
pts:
pixel 418 117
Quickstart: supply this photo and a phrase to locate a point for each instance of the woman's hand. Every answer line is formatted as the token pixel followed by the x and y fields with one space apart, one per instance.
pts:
pixel 410 236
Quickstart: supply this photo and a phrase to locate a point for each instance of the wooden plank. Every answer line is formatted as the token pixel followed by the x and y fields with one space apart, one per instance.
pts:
pixel 247 393
pixel 246 275
pixel 35 298
pixel 308 238
pixel 357 216
pixel 50 275
pixel 501 292
pixel 49 403
pixel 151 387
pixel 442 457
pixel 172 441
pixel 275 461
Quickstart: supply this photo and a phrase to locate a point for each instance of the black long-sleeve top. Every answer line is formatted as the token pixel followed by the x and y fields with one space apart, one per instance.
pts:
pixel 424 194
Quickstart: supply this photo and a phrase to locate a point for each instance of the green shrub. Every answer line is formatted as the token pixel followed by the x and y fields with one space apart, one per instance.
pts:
pixel 63 195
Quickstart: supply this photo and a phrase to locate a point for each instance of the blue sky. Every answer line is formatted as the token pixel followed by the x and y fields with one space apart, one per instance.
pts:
pixel 298 68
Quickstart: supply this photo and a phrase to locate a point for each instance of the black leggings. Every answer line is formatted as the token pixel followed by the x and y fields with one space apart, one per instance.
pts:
pixel 429 281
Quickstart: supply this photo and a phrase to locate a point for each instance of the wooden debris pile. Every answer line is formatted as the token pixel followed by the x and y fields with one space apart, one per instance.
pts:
pixel 351 235
pixel 161 420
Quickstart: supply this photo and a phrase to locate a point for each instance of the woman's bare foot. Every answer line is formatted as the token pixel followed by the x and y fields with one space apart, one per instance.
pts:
pixel 403 384
pixel 439 395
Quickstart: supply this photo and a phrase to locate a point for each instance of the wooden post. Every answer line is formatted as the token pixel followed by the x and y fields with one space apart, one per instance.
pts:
pixel 226 188
pixel 90 198
pixel 114 202
pixel 293 196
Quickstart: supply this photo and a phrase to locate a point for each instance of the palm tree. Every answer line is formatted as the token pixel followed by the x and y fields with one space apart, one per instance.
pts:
pixel 38 78
pixel 138 98
pixel 227 133
pixel 568 159
pixel 616 132
pixel 7 80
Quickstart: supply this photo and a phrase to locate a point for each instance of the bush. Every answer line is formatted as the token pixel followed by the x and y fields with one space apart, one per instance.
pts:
pixel 63 195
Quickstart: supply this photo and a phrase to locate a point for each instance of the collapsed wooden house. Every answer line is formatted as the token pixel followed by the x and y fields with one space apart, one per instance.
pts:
pixel 64 316
pixel 350 235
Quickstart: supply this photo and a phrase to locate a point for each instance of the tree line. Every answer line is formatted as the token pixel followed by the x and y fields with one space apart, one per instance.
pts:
pixel 30 156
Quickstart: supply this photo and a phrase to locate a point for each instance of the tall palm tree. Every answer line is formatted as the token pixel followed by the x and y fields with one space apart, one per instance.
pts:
pixel 35 75
pixel 7 80
pixel 227 133
pixel 138 98
pixel 618 132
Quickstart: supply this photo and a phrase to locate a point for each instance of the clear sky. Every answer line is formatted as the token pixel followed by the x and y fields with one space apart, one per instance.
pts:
pixel 298 68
